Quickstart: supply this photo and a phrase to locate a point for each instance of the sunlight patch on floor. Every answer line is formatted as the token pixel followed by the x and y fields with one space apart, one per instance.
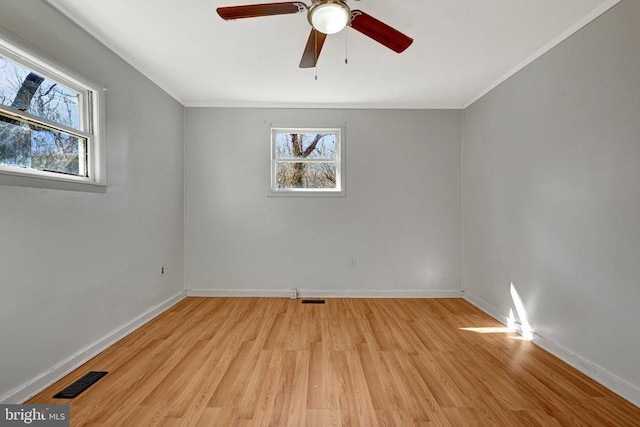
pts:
pixel 490 330
pixel 517 322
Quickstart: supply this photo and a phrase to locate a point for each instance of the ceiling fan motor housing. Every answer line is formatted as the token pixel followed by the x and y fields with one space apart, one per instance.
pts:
pixel 329 16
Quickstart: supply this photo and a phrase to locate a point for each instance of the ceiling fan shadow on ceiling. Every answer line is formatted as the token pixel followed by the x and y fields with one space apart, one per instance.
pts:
pixel 326 17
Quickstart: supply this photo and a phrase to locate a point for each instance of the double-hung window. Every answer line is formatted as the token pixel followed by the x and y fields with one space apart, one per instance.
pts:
pixel 48 120
pixel 307 161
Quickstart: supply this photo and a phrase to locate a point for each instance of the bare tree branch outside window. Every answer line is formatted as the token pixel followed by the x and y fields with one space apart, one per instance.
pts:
pixel 305 160
pixel 28 144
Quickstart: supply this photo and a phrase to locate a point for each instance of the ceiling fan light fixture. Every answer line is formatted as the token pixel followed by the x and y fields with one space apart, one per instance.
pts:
pixel 329 17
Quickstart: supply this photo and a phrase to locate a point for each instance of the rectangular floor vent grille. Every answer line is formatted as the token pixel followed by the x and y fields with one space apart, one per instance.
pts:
pixel 313 301
pixel 81 385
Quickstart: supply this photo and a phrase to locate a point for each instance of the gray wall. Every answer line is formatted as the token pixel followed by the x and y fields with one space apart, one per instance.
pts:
pixel 76 266
pixel 401 217
pixel 552 198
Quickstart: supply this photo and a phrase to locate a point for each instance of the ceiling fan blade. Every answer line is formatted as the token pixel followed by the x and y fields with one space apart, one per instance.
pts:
pixel 379 31
pixel 312 49
pixel 262 9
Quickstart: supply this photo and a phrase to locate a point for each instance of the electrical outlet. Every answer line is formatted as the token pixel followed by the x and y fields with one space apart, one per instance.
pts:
pixel 294 293
pixel 162 271
pixel 353 261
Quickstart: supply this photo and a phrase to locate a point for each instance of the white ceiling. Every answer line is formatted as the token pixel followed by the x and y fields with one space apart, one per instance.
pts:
pixel 461 50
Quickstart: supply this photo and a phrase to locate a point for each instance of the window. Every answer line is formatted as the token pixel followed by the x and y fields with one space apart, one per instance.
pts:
pixel 307 161
pixel 48 120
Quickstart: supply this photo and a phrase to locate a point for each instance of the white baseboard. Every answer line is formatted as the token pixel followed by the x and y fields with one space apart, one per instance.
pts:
pixel 304 293
pixel 238 293
pixel 45 379
pixel 487 308
pixel 590 369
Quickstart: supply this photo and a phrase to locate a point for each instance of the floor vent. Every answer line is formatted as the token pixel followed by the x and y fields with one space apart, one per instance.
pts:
pixel 313 301
pixel 81 385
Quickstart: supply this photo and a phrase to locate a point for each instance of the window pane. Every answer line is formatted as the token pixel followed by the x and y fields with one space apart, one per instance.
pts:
pixel 35 147
pixel 319 175
pixel 316 146
pixel 25 90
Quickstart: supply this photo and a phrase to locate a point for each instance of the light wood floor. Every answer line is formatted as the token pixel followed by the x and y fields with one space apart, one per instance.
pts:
pixel 367 362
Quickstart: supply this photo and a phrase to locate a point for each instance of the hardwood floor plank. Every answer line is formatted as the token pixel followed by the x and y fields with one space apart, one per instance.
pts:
pixel 389 418
pixel 423 395
pixel 297 413
pixel 323 418
pixel 349 413
pixel 270 388
pixel 282 398
pixel 215 417
pixel 360 390
pixel 230 388
pixel 444 390
pixel 383 340
pixel 321 382
pixel 248 400
pixel 349 362
pixel 415 405
pixel 384 397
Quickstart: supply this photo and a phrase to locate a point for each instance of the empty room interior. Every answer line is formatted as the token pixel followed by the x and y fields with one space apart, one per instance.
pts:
pixel 447 234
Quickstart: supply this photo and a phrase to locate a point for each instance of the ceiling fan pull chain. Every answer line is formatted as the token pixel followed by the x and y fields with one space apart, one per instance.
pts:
pixel 315 47
pixel 346 44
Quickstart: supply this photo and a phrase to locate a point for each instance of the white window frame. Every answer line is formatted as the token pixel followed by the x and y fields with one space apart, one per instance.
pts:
pixel 340 161
pixel 91 120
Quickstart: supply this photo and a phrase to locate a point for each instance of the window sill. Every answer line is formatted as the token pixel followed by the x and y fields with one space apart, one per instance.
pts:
pixel 290 193
pixel 25 179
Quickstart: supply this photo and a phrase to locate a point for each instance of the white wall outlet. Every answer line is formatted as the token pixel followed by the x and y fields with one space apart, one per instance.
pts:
pixel 353 261
pixel 294 293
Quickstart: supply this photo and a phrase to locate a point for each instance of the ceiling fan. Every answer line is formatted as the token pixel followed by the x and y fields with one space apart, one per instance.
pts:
pixel 326 17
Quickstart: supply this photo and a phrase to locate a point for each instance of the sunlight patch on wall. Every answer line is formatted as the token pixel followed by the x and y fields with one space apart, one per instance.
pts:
pixel 522 321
